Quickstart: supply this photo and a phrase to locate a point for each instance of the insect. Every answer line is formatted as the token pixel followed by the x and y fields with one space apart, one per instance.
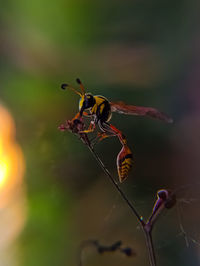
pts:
pixel 100 109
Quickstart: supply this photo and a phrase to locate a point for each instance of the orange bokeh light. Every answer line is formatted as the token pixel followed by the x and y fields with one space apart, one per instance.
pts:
pixel 11 158
pixel 12 192
pixel 4 166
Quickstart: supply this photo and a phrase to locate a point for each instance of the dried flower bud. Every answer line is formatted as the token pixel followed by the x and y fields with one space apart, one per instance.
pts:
pixel 165 199
pixel 76 126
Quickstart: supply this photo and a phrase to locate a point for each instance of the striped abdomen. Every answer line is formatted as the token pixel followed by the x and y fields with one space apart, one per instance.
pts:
pixel 124 162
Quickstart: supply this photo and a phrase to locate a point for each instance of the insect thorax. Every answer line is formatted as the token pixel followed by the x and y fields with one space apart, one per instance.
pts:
pixel 101 109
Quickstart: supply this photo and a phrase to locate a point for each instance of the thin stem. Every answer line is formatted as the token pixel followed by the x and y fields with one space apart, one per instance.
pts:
pixel 116 186
pixel 77 127
pixel 147 230
pixel 150 246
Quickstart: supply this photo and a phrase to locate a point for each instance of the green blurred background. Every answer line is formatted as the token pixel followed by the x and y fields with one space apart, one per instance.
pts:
pixel 143 52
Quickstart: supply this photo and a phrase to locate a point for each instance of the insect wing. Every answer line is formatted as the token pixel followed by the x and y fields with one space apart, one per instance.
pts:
pixel 122 108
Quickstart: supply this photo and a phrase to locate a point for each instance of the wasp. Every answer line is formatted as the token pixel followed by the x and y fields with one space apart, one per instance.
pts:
pixel 100 109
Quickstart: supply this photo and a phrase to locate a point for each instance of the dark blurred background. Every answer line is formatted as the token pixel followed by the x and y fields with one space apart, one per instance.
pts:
pixel 53 193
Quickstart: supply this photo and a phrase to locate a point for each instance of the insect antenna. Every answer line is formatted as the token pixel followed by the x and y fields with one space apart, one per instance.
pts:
pixel 81 85
pixel 64 86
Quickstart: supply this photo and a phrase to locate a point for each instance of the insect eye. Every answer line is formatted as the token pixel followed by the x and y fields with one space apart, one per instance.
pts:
pixel 88 101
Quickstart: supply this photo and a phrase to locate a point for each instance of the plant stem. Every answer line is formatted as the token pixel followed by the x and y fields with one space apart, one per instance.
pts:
pixel 116 186
pixel 150 246
pixel 147 228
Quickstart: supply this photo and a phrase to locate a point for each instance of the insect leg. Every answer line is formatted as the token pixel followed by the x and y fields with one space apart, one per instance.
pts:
pixel 87 114
pixel 125 156
pixel 106 131
pixel 90 129
pixel 100 136
pixel 77 116
pixel 113 131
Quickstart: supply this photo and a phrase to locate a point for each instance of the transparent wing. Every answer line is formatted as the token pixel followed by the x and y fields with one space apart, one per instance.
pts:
pixel 122 108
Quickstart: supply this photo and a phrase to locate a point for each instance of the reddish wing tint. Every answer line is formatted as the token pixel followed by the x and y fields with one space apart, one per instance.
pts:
pixel 122 108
